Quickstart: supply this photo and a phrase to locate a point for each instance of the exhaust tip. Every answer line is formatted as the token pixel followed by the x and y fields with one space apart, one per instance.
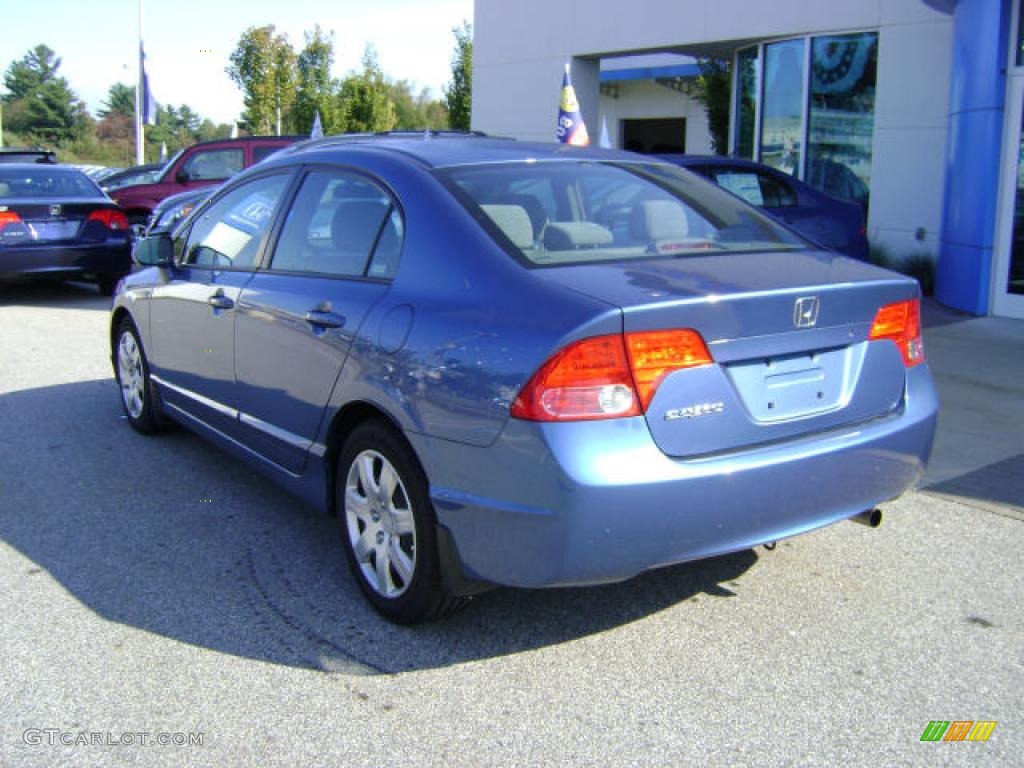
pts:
pixel 872 518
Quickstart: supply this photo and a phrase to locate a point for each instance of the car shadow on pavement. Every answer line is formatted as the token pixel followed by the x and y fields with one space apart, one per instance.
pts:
pixel 936 315
pixel 53 294
pixel 997 487
pixel 171 536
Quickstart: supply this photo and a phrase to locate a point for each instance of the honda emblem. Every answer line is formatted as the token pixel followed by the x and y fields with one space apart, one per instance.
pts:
pixel 805 312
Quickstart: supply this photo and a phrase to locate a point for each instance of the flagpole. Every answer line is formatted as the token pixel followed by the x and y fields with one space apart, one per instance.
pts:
pixel 140 135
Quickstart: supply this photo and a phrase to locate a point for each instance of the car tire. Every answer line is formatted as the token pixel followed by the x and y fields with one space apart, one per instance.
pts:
pixel 390 541
pixel 131 370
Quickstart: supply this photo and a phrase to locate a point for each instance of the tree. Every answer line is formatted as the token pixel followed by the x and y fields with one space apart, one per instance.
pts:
pixel 263 67
pixel 714 89
pixel 24 78
pixel 45 107
pixel 316 90
pixel 209 130
pixel 366 99
pixel 419 111
pixel 116 127
pixel 120 101
pixel 458 93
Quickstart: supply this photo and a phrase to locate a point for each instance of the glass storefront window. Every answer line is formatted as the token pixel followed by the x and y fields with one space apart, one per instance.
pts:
pixel 782 105
pixel 746 102
pixel 1015 279
pixel 841 120
pixel 1020 34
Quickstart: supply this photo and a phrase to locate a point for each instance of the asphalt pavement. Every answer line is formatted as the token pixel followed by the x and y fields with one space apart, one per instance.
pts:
pixel 153 589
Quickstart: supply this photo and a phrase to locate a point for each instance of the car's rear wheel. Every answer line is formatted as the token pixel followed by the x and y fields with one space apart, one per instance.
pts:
pixel 132 372
pixel 389 526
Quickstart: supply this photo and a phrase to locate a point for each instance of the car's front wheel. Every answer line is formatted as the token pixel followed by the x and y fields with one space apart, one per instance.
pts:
pixel 389 527
pixel 132 372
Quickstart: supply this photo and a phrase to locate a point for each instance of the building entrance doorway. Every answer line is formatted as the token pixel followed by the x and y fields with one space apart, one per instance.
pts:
pixel 655 135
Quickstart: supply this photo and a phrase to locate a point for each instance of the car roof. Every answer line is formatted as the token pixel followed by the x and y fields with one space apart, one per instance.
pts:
pixel 244 140
pixel 441 149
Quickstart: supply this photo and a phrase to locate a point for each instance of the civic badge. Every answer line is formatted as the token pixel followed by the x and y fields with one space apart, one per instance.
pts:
pixel 56 210
pixel 805 312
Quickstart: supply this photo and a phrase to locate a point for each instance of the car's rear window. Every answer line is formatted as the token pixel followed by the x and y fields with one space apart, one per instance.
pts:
pixel 578 212
pixel 43 181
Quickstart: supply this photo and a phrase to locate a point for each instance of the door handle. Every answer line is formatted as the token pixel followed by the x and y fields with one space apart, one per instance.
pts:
pixel 324 319
pixel 220 301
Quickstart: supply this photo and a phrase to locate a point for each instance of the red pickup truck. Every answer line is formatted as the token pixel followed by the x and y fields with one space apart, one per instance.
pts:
pixel 200 165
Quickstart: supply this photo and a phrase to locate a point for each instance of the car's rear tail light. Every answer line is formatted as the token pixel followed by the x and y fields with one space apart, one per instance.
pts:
pixel 110 218
pixel 607 377
pixel 655 354
pixel 8 217
pixel 901 322
pixel 589 379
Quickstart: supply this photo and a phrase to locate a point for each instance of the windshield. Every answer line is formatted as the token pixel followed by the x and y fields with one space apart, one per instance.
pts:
pixel 581 212
pixel 166 172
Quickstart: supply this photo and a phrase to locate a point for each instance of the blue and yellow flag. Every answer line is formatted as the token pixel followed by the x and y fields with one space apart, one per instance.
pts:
pixel 571 128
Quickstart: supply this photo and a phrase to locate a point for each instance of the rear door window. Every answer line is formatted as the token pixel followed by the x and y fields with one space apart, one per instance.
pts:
pixel 743 184
pixel 340 224
pixel 757 188
pixel 776 192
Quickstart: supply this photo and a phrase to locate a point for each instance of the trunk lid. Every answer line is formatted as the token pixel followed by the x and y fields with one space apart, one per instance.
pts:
pixel 788 333
pixel 52 221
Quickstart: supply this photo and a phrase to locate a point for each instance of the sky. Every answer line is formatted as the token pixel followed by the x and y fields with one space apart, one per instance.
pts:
pixel 188 42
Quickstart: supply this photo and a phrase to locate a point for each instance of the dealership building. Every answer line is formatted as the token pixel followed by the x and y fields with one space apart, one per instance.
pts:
pixel 913 107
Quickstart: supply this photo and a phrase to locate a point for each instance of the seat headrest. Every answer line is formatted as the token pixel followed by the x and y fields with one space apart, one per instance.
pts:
pixel 654 220
pixel 356 223
pixel 514 221
pixel 568 235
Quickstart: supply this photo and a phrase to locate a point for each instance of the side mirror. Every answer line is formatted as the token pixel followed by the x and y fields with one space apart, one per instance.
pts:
pixel 154 251
pixel 183 176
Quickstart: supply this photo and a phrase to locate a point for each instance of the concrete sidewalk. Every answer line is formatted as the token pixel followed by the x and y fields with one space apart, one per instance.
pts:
pixel 978 365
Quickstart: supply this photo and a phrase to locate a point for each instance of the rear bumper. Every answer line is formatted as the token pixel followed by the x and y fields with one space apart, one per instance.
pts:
pixel 565 504
pixel 112 258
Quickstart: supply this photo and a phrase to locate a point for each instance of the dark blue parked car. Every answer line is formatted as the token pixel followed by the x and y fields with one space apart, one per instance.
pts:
pixel 524 364
pixel 829 221
pixel 55 223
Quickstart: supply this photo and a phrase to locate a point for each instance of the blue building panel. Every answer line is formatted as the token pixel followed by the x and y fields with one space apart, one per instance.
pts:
pixel 977 97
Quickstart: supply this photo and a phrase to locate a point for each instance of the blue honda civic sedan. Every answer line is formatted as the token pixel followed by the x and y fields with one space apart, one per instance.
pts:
pixel 503 363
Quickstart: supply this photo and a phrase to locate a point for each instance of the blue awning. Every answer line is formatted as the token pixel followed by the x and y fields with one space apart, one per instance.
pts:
pixel 649 73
